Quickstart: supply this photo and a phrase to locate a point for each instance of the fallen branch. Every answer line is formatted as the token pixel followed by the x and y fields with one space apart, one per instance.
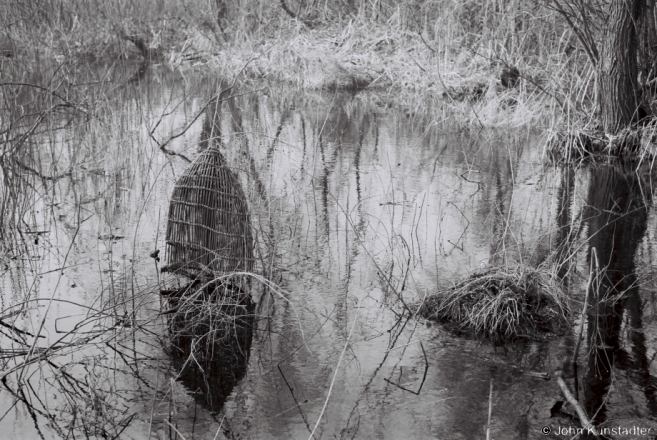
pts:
pixel 583 418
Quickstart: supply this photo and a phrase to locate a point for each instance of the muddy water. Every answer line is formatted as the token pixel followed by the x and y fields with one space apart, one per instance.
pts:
pixel 359 208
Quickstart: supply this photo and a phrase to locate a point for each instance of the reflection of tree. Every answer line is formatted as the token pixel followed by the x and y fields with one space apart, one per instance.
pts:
pixel 237 127
pixel 566 234
pixel 211 133
pixel 364 129
pixel 617 217
pixel 498 206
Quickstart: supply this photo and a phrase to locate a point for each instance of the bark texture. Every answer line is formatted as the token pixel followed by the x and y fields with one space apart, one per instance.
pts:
pixel 617 79
pixel 647 40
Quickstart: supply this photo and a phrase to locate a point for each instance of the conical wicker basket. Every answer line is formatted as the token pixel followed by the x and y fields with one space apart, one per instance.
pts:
pixel 209 228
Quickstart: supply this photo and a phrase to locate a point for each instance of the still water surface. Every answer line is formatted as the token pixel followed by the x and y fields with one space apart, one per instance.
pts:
pixel 358 207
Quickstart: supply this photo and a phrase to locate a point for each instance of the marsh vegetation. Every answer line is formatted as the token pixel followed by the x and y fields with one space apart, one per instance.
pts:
pixel 300 219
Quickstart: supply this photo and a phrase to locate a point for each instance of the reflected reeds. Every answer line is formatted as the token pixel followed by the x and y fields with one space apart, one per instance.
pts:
pixel 356 210
pixel 79 180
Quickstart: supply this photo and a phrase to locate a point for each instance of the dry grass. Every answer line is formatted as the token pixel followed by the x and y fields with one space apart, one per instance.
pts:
pixel 92 29
pixel 412 48
pixel 636 144
pixel 502 304
pixel 429 60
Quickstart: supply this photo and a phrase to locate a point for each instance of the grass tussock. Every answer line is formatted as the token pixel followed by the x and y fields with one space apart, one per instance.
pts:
pixel 502 304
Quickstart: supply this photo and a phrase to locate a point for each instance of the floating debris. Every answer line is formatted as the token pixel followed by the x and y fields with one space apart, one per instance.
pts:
pixel 155 255
pixel 111 237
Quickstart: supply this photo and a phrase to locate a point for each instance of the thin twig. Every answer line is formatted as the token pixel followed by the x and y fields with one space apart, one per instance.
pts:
pixel 490 409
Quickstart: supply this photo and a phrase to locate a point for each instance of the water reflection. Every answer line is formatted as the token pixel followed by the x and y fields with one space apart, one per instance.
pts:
pixel 366 212
pixel 617 215
pixel 355 211
pixel 567 226
pixel 210 341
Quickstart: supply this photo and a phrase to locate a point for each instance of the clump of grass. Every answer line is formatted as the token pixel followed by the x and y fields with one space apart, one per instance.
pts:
pixel 502 304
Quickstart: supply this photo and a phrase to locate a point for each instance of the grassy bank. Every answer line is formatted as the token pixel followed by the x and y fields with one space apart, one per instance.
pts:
pixel 453 51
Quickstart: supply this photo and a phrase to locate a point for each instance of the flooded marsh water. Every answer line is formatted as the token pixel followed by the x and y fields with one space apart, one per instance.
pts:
pixel 359 209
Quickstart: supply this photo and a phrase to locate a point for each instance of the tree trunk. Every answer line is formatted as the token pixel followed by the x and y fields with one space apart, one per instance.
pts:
pixel 617 69
pixel 647 41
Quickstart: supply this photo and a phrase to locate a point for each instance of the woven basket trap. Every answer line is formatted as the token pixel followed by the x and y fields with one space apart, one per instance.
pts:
pixel 209 228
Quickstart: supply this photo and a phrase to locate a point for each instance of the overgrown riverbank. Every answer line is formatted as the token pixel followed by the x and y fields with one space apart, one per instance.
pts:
pixel 457 52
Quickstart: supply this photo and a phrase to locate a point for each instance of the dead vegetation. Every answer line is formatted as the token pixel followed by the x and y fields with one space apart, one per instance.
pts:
pixel 414 48
pixel 502 304
pixel 210 332
pixel 637 143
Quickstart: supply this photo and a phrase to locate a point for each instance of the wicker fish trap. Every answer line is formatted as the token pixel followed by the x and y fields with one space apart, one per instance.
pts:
pixel 209 228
